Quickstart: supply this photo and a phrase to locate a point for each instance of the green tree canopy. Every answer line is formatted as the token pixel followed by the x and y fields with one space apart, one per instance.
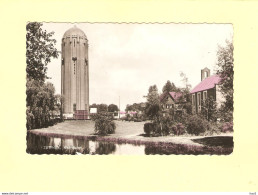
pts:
pixel 40 48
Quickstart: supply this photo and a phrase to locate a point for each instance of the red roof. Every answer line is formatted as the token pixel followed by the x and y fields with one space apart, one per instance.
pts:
pixel 207 83
pixel 174 95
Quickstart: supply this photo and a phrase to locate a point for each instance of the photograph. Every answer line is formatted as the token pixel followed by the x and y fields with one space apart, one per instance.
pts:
pixel 129 88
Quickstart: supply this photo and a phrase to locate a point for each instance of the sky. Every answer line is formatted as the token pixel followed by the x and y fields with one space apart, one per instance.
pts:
pixel 126 59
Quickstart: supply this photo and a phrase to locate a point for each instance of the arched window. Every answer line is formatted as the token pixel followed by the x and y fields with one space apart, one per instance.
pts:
pixel 205 74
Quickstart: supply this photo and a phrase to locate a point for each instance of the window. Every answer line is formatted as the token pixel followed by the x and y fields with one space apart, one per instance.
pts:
pixel 63 61
pixel 193 99
pixel 205 74
pixel 204 95
pixel 74 107
pixel 74 68
pixel 199 99
pixel 73 42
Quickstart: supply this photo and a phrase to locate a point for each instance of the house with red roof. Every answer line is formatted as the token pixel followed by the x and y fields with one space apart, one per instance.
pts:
pixel 207 88
pixel 171 100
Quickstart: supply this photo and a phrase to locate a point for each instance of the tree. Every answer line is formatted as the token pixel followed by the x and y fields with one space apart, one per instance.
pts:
pixel 113 108
pixel 40 48
pixel 153 106
pixel 168 87
pixel 185 82
pixel 225 69
pixel 41 101
pixel 209 109
pixel 100 107
pixel 134 107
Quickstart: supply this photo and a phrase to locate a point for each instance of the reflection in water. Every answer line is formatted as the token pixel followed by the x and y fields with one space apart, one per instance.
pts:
pixel 51 145
pixel 105 148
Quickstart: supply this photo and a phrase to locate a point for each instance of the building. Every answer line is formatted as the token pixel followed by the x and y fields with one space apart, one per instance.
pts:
pixel 207 88
pixel 75 73
pixel 171 100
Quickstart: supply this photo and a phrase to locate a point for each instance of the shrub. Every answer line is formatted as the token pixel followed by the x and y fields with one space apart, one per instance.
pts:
pixel 149 128
pixel 227 127
pixel 214 129
pixel 178 129
pixel 104 124
pixel 196 125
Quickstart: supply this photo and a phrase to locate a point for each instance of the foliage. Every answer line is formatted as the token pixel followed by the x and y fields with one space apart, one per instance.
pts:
pixel 225 68
pixel 178 129
pixel 112 108
pixel 134 107
pixel 185 81
pixel 42 104
pixel 40 48
pixel 225 116
pixel 100 107
pixel 153 106
pixel 196 125
pixel 227 127
pixel 149 128
pixel 209 109
pixel 168 87
pixel 187 107
pixel 104 123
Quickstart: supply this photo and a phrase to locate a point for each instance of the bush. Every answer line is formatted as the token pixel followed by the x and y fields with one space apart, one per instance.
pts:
pixel 196 125
pixel 227 127
pixel 149 128
pixel 178 129
pixel 104 124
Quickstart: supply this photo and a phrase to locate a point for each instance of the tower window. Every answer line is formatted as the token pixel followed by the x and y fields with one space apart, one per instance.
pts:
pixel 205 74
pixel 74 42
pixel 63 61
pixel 74 68
pixel 74 107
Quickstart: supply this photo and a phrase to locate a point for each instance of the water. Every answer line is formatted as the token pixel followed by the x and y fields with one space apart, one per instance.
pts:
pixel 53 145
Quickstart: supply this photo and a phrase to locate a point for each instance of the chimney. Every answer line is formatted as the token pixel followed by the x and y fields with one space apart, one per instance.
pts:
pixel 205 73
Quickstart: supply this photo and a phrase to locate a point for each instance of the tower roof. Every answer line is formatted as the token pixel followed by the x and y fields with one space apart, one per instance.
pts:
pixel 74 31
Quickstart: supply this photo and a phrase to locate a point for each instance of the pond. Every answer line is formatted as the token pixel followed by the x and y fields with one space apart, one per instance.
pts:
pixel 38 144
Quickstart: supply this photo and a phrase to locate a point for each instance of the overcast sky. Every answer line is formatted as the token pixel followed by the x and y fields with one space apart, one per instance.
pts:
pixel 125 59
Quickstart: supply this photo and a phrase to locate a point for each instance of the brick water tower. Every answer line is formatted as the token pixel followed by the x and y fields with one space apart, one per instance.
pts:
pixel 75 74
